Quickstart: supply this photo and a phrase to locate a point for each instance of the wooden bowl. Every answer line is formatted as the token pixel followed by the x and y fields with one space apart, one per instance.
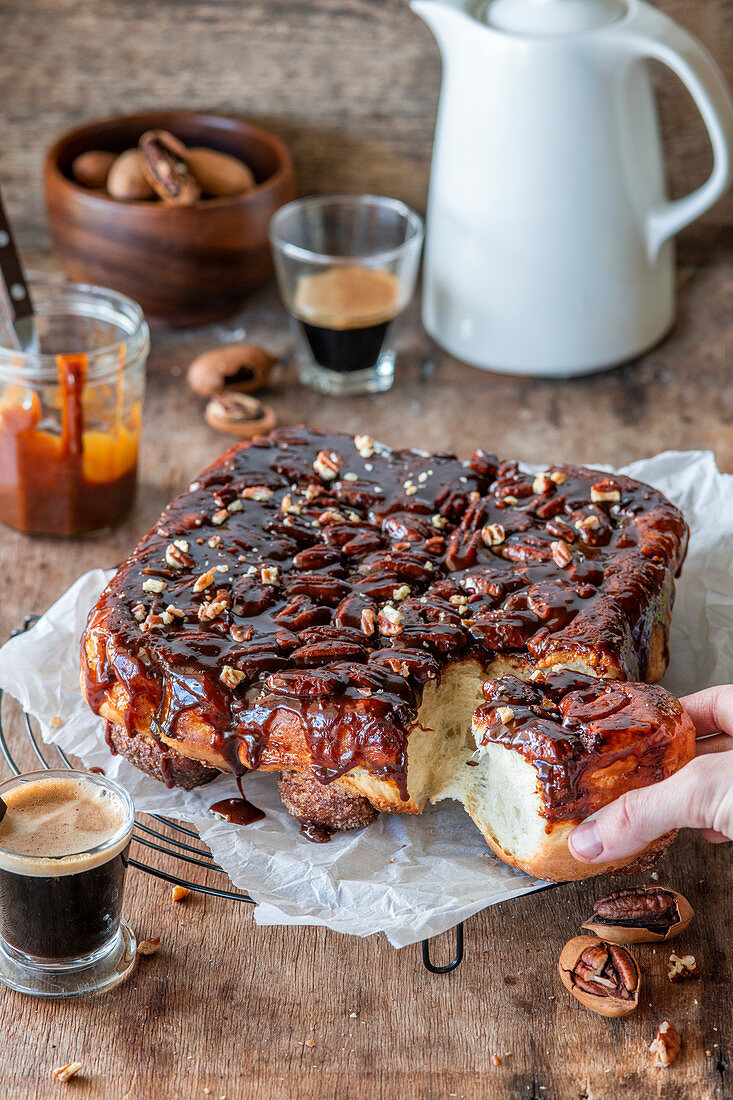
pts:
pixel 185 265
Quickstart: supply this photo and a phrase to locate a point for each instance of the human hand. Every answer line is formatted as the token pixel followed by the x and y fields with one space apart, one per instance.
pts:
pixel 698 796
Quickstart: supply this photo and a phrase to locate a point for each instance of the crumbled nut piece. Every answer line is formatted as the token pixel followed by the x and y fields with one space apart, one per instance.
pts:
pixel 368 621
pixel 204 580
pixel 180 893
pixel 241 633
pixel 681 968
pixel 327 465
pixel 605 491
pixel 211 609
pixel 139 611
pixel 504 714
pixel 270 574
pixel 310 1042
pixel 495 1060
pixel 155 622
pixel 290 507
pixel 493 534
pixel 667 1044
pixel 215 542
pixel 65 1073
pixel 390 620
pixel 331 515
pixel 174 612
pixel 410 490
pixel 561 554
pixel 364 445
pixel 558 477
pixel 235 506
pixel 401 593
pixel 541 484
pixel 219 517
pixel 256 492
pixel 176 555
pixel 149 947
pixel 154 584
pixel 351 476
pixel 511 500
pixel 231 677
pixel 438 521
pixel 590 522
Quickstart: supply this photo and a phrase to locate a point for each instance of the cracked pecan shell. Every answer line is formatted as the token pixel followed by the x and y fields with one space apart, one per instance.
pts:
pixel 603 976
pixel 648 914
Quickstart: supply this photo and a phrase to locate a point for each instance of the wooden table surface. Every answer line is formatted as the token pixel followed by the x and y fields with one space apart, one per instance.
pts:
pixel 227 1009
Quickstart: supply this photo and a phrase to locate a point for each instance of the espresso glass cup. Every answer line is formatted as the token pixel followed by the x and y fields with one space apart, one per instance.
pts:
pixel 346 266
pixel 61 931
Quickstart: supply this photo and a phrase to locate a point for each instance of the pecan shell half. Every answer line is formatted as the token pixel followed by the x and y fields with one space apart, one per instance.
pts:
pixel 647 914
pixel 603 976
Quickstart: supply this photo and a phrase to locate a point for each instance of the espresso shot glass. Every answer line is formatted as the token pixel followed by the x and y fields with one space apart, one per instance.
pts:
pixel 64 842
pixel 346 266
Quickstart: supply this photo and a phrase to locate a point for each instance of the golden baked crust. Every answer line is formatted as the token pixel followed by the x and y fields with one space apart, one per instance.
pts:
pixel 301 603
pixel 586 742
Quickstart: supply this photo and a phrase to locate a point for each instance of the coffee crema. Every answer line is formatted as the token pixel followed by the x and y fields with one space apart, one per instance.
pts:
pixel 344 314
pixel 60 826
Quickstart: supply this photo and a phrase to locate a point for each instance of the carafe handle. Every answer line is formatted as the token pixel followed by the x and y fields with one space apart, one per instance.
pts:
pixel 656 36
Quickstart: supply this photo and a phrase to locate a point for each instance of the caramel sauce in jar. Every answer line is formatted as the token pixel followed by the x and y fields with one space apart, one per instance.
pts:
pixel 69 433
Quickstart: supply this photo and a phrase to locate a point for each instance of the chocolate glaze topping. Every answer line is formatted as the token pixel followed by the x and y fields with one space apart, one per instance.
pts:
pixel 311 575
pixel 569 725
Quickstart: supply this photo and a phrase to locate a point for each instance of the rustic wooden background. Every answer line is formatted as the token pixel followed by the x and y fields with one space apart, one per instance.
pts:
pixel 352 85
pixel 227 1009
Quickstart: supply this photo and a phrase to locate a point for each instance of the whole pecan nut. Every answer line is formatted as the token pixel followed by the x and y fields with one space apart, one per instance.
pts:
pixel 603 976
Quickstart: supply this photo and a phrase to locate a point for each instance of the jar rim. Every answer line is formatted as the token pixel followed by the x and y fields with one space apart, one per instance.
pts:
pixel 119 309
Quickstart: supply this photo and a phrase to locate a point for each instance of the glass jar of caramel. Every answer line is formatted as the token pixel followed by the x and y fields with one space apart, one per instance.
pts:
pixel 70 411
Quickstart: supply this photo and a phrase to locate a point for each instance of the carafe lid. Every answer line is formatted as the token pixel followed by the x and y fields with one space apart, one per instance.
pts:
pixel 549 18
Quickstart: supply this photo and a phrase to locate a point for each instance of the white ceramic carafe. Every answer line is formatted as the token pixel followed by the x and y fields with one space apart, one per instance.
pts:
pixel 550 238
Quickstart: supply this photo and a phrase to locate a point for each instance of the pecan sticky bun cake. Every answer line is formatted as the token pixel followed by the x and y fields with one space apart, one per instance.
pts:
pixel 329 609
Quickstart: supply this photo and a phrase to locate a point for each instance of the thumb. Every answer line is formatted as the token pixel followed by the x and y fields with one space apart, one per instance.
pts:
pixel 698 796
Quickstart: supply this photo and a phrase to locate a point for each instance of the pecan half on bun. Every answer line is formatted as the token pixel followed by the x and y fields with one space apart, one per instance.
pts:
pixel 320 604
pixel 604 977
pixel 647 914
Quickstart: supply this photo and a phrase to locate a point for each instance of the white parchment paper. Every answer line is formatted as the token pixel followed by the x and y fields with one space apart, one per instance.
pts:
pixel 409 877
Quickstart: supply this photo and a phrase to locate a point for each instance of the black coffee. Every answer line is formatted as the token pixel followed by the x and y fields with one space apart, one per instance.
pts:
pixel 65 917
pixel 344 315
pixel 60 895
pixel 345 349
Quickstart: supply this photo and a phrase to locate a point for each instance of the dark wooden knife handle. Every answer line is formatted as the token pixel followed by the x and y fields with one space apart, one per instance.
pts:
pixel 14 285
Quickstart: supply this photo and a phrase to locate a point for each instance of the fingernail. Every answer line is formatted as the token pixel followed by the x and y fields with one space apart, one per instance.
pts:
pixel 586 840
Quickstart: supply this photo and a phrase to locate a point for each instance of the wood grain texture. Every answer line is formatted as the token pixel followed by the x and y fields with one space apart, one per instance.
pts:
pixel 229 1007
pixel 352 86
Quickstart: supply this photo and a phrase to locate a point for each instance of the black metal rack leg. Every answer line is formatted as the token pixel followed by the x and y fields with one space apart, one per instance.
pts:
pixel 455 961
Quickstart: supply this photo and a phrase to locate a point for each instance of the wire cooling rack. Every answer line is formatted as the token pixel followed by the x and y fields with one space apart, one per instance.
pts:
pixel 180 845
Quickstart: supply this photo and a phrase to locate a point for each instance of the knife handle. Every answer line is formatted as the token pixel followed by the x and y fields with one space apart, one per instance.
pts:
pixel 14 284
